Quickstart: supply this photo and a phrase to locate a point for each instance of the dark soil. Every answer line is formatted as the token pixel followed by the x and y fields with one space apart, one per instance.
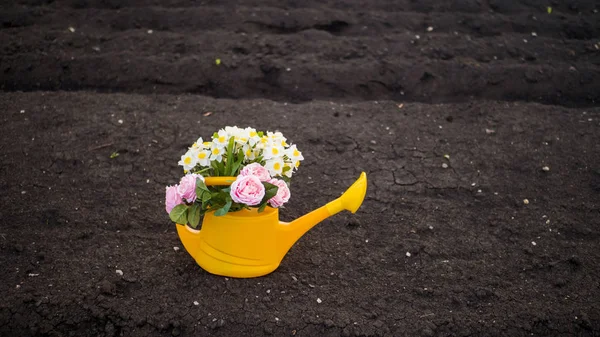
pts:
pixel 442 246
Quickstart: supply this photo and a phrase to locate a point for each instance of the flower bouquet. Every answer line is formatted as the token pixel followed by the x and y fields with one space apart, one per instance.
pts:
pixel 262 164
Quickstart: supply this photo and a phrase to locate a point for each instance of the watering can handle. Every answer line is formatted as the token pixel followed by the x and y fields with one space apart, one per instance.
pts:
pixel 218 181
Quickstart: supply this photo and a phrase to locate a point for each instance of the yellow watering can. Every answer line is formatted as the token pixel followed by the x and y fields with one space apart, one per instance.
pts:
pixel 250 244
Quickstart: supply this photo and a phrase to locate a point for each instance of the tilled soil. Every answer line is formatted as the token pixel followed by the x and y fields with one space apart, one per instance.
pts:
pixel 482 215
pixel 349 50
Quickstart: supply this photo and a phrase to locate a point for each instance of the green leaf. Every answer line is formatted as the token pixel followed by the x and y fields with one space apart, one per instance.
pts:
pixel 260 133
pixel 179 214
pixel 221 168
pixel 205 196
pixel 270 192
pixel 215 166
pixel 229 156
pixel 200 184
pixel 224 209
pixel 238 162
pixel 193 216
pixel 114 155
pixel 262 207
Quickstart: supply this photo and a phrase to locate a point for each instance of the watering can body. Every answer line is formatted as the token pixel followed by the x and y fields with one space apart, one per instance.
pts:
pixel 249 244
pixel 238 244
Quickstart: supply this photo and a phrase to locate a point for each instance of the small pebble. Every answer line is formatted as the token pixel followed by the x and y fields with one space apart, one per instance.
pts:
pixel 119 272
pixel 196 303
pixel 526 201
pixel 545 169
pixel 72 30
pixel 150 31
pixel 447 156
pixel 533 34
pixel 319 300
pixel 533 243
pixel 525 40
pixel 22 111
pixel 176 249
pixel 120 121
pixel 444 165
pixel 417 37
pixel 429 29
pixel 408 254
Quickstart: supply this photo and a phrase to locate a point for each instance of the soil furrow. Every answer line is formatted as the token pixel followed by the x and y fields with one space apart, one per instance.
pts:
pixel 278 21
pixel 324 46
pixel 407 80
pixel 423 6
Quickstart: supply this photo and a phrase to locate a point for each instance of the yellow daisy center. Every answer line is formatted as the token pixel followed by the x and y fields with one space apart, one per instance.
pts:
pixel 275 151
pixel 187 160
pixel 253 134
pixel 221 139
pixel 215 151
pixel 276 166
pixel 296 153
pixel 201 155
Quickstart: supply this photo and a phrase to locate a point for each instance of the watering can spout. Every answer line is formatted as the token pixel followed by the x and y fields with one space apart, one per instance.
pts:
pixel 350 200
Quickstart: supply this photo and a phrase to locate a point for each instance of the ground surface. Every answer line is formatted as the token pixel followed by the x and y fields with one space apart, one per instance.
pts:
pixel 442 246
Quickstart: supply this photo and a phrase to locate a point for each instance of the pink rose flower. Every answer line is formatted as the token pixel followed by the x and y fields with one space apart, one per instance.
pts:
pixel 172 198
pixel 187 187
pixel 247 190
pixel 283 193
pixel 256 169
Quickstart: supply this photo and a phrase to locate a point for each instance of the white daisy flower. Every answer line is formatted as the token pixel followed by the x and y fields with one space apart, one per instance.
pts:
pixel 232 131
pixel 203 157
pixel 241 137
pixel 293 153
pixel 253 137
pixel 275 166
pixel 188 160
pixel 250 153
pixel 273 150
pixel 221 139
pixel 216 153
pixel 262 142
